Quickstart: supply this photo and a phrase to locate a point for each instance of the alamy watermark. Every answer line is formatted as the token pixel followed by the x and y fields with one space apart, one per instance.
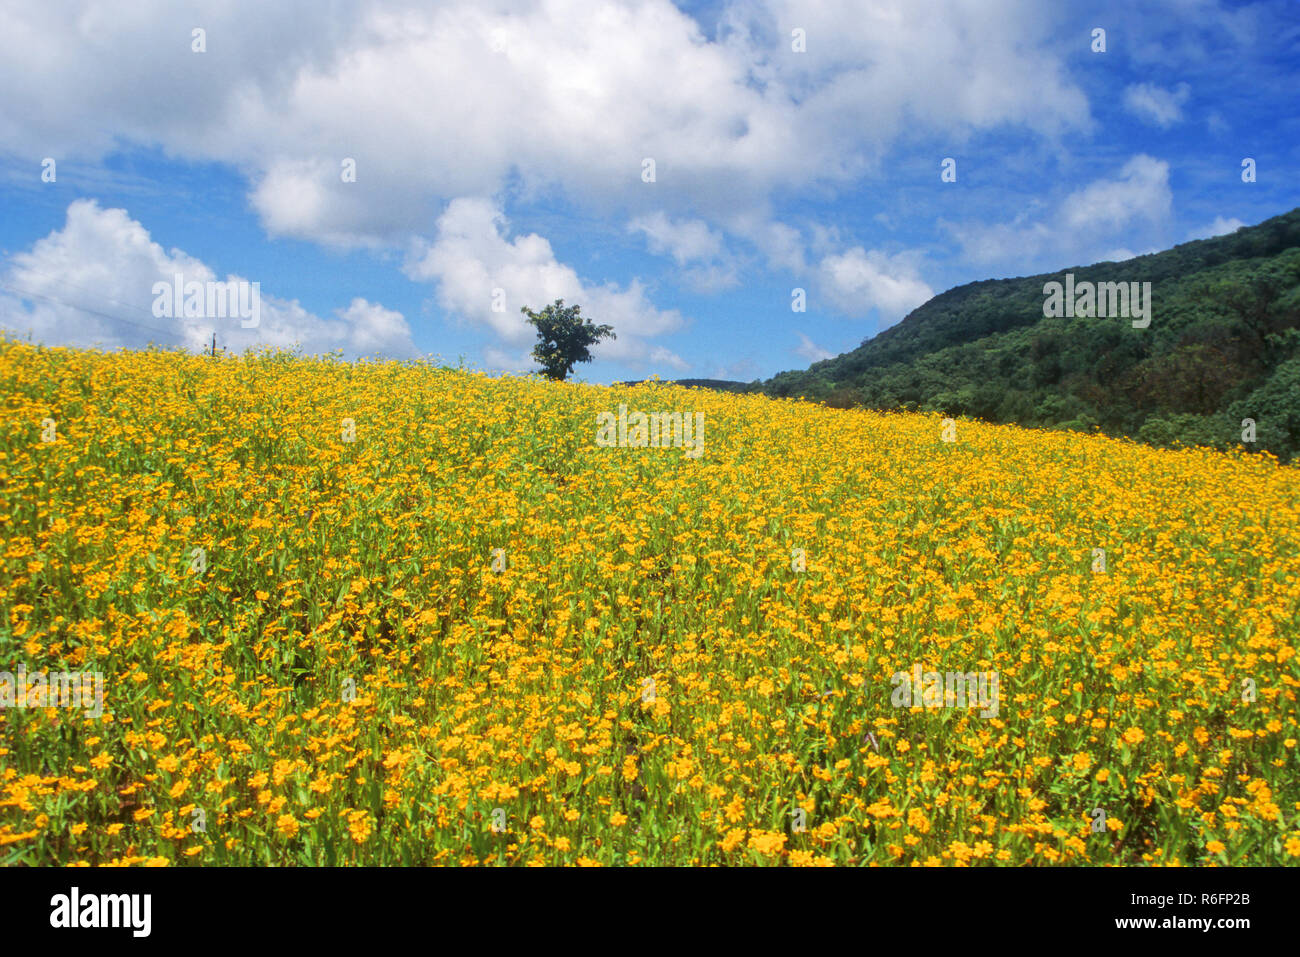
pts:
pixel 60 689
pixel 236 299
pixel 1103 300
pixel 655 430
pixel 130 911
pixel 933 689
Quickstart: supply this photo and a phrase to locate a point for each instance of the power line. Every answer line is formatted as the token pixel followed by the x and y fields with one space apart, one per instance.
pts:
pixel 94 293
pixel 29 294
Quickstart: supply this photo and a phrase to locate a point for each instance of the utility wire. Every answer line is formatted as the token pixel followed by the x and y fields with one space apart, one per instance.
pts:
pixel 29 294
pixel 94 293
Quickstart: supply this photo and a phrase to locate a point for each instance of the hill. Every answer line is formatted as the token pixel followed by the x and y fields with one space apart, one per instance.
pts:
pixel 1223 345
pixel 717 385
pixel 388 613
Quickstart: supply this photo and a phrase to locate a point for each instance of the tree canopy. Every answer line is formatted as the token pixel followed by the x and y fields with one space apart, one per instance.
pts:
pixel 564 338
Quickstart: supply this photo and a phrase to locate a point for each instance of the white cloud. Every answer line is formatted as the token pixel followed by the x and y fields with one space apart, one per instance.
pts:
pixel 463 97
pixel 858 281
pixel 861 64
pixel 1154 105
pixel 1086 225
pixel 781 244
pixel 686 241
pixel 1220 227
pixel 689 241
pixel 504 361
pixel 710 279
pixel 374 329
pixel 1140 193
pixel 1001 242
pixel 472 257
pixel 811 351
pixel 91 283
pixel 666 357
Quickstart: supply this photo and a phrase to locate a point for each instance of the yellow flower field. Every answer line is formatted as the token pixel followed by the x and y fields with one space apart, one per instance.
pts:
pixel 471 635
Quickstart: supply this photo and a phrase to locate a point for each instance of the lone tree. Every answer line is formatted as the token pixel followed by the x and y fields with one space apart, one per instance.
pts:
pixel 563 338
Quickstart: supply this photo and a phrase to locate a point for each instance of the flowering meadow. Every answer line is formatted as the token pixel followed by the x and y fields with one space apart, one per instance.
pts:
pixel 400 614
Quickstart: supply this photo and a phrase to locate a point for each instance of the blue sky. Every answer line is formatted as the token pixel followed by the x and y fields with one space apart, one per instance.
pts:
pixel 501 146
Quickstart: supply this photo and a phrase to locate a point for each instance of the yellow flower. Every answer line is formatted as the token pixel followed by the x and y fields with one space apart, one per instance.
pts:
pixel 359 826
pixel 735 811
pixel 526 665
pixel 281 770
pixel 733 838
pixel 767 842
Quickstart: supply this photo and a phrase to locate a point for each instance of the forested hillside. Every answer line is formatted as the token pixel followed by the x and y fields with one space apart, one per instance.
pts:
pixel 1223 345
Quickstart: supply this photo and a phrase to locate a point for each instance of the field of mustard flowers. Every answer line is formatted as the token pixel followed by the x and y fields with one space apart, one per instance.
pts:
pixel 641 674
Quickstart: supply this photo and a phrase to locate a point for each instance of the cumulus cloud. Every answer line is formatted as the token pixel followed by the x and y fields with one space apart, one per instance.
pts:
pixel 859 280
pixel 1155 105
pixel 374 329
pixel 809 350
pixel 860 67
pixel 485 277
pixel 92 283
pixel 1086 224
pixel 436 103
pixel 666 357
pixel 690 243
pixel 463 98
pixel 1001 242
pixel 1220 227
pixel 781 244
pixel 686 240
pixel 1141 192
pixel 502 360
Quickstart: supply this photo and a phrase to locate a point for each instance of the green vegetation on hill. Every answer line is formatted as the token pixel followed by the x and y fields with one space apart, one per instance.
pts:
pixel 1223 345
pixel 717 385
